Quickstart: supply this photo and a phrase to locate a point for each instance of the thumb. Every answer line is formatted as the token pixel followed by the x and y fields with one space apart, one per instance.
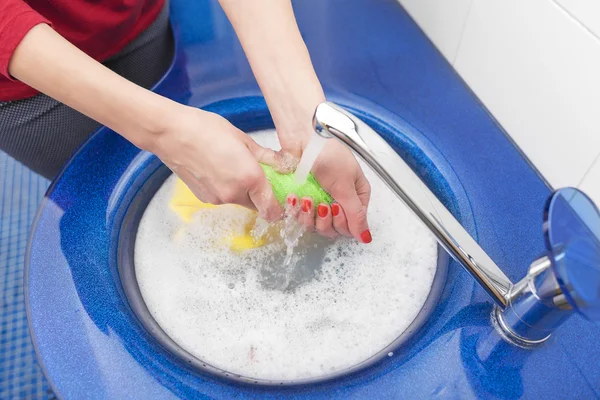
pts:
pixel 356 214
pixel 282 161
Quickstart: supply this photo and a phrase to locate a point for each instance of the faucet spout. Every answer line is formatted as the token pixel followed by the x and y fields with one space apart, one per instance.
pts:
pixel 332 121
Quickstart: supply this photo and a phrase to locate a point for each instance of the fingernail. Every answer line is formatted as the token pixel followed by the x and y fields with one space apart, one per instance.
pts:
pixel 306 205
pixel 322 210
pixel 335 209
pixel 366 236
pixel 291 201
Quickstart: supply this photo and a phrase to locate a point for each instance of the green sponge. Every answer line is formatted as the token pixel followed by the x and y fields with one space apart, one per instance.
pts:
pixel 284 184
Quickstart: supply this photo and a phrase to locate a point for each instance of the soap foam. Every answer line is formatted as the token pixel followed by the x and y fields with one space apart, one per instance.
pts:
pixel 348 301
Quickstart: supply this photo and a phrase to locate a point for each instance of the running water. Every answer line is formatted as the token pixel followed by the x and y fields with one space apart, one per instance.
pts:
pixel 291 230
pixel 309 156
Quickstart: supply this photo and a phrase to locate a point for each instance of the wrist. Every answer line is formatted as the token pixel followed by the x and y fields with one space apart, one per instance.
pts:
pixel 292 113
pixel 151 121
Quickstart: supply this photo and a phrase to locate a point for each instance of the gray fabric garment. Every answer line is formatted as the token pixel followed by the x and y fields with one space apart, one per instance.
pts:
pixel 43 133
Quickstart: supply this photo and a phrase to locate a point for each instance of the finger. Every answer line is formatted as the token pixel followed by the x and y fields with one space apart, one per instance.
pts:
pixel 262 154
pixel 356 215
pixel 324 221
pixel 340 224
pixel 292 205
pixel 283 162
pixel 262 196
pixel 307 214
pixel 241 199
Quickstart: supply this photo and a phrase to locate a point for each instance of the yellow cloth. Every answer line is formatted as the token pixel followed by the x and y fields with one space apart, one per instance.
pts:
pixel 185 204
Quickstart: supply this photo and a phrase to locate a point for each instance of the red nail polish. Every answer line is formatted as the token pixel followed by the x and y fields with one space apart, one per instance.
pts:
pixel 322 211
pixel 366 236
pixel 335 209
pixel 306 205
pixel 291 201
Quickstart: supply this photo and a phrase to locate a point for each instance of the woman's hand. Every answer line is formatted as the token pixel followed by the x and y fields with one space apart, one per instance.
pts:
pixel 217 161
pixel 338 172
pixel 281 64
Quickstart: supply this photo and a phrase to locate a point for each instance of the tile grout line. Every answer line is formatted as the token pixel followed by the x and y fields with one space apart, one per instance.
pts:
pixel 574 18
pixel 20 376
pixel 587 172
pixel 462 33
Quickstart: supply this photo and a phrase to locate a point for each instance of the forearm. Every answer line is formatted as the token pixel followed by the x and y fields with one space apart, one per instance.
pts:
pixel 49 63
pixel 280 61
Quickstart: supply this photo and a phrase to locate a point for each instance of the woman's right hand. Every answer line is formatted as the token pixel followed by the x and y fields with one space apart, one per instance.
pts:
pixel 217 161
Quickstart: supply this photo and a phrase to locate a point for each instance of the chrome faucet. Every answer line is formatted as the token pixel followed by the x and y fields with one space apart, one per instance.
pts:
pixel 527 312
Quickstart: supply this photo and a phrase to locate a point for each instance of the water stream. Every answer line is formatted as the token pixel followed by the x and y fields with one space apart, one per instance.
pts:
pixel 309 156
pixel 291 230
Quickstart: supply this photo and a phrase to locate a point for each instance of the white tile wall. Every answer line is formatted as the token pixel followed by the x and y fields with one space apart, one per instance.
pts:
pixel 585 11
pixel 538 71
pixel 442 20
pixel 536 66
pixel 591 182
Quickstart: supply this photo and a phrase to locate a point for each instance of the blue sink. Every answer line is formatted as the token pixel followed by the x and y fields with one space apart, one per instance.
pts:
pixel 381 66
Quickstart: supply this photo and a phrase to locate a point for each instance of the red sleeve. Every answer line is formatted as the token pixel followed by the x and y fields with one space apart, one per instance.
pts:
pixel 16 19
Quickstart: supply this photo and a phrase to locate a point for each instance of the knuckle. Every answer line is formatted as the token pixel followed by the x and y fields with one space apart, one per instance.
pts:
pixel 321 229
pixel 337 186
pixel 341 228
pixel 308 223
pixel 364 191
pixel 203 195
pixel 249 179
pixel 271 213
pixel 367 188
pixel 360 216
pixel 326 231
pixel 332 234
pixel 209 199
pixel 228 196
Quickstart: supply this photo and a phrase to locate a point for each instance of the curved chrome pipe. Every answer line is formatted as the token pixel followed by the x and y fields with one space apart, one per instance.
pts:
pixel 332 121
pixel 530 310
